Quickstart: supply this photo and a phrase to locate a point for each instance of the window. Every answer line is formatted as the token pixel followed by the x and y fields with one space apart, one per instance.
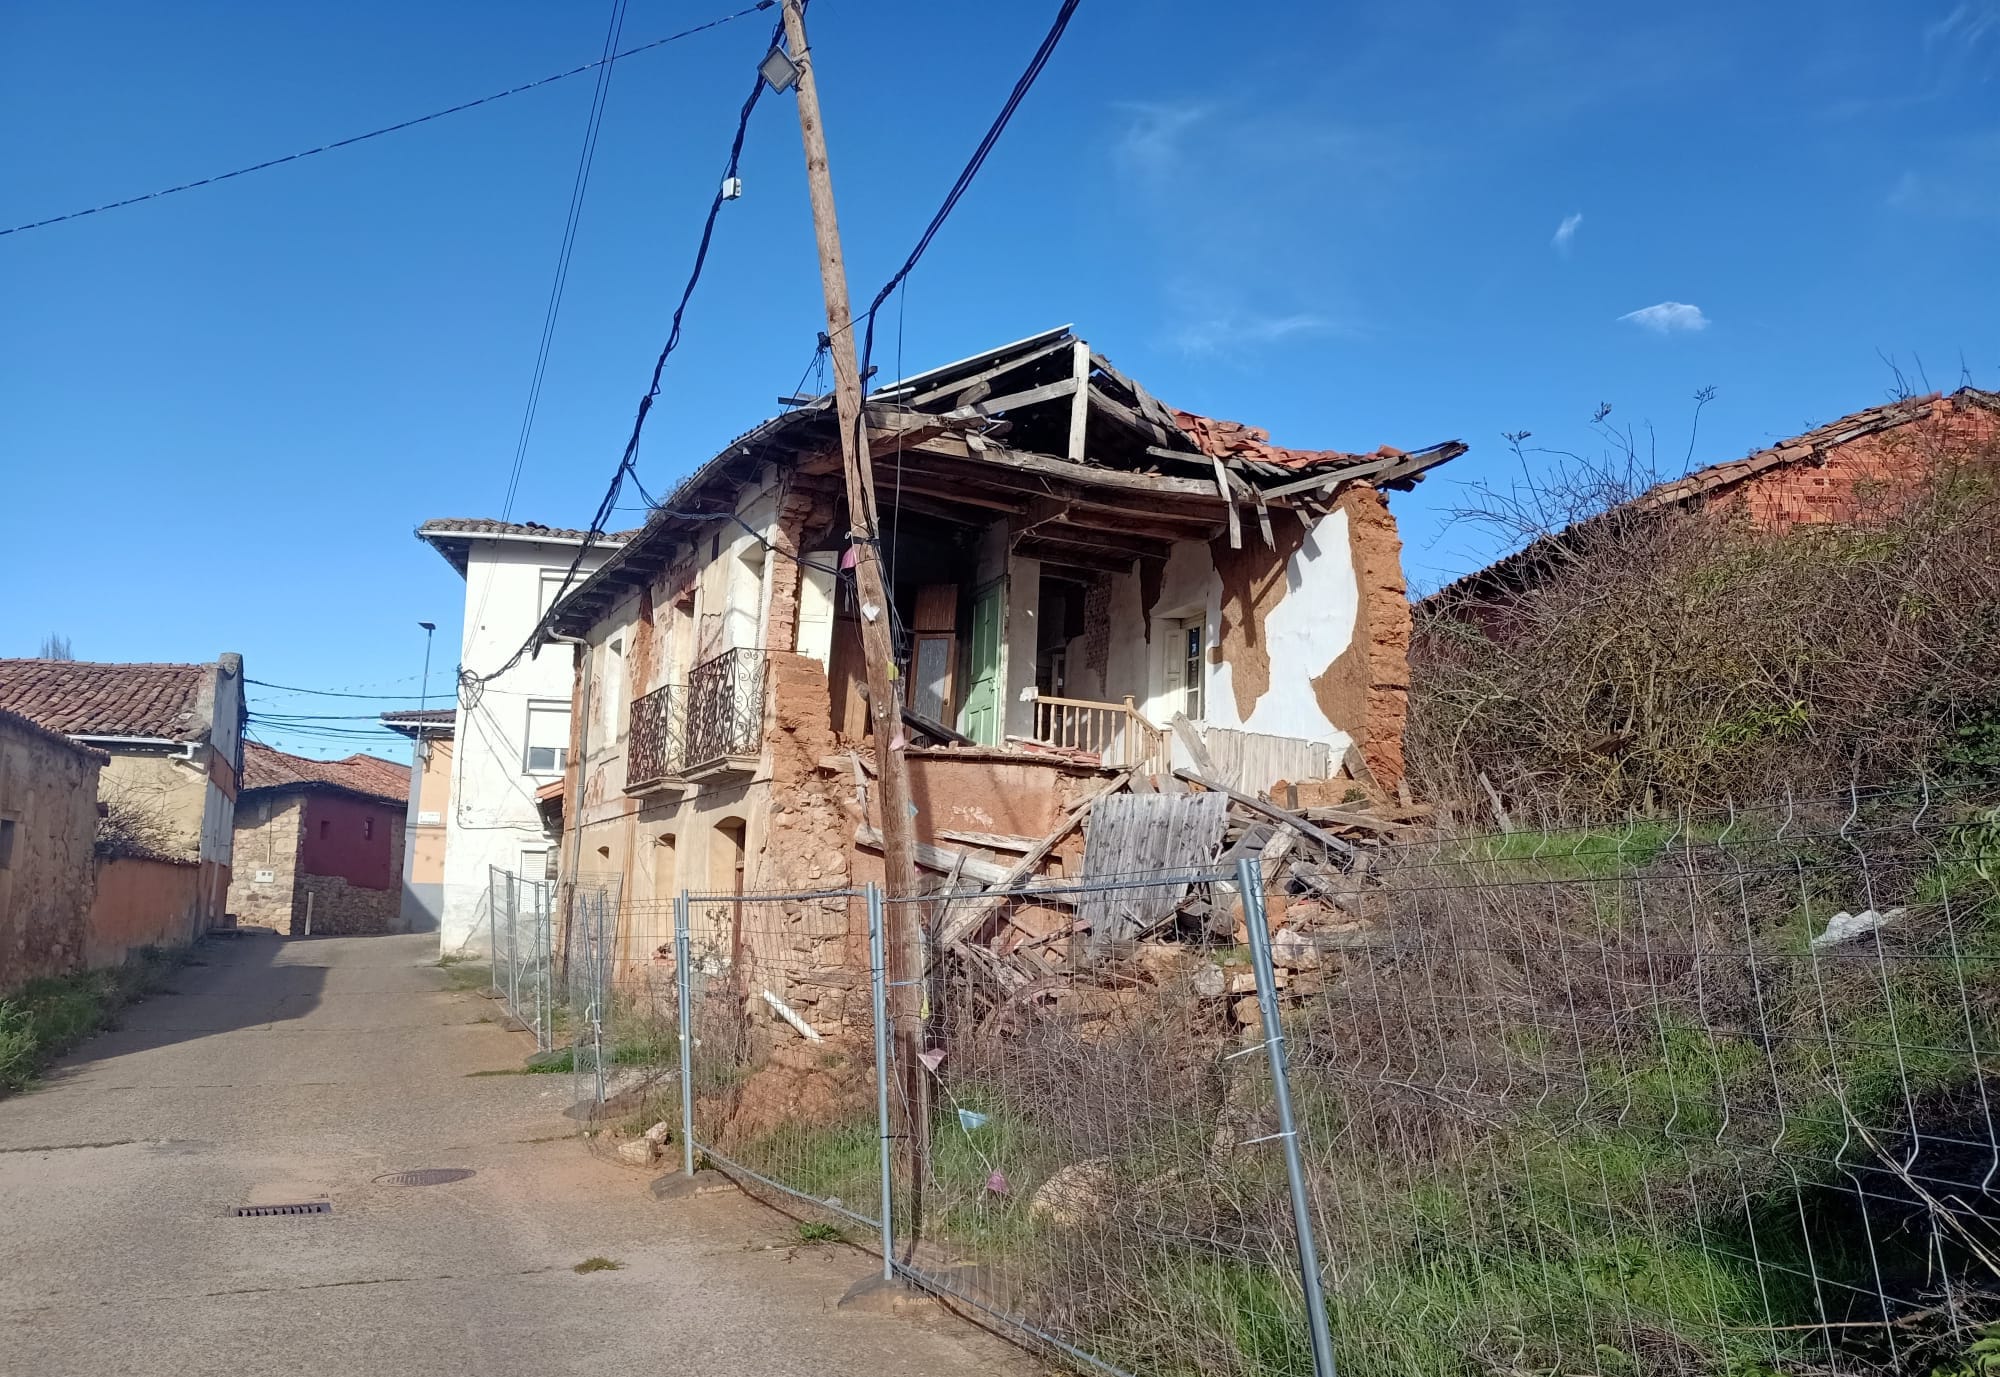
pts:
pixel 1190 648
pixel 6 843
pixel 325 828
pixel 548 739
pixel 552 587
pixel 1186 646
pixel 368 828
pixel 613 689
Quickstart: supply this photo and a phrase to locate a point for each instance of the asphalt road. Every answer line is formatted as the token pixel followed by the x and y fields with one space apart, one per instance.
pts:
pixel 289 1070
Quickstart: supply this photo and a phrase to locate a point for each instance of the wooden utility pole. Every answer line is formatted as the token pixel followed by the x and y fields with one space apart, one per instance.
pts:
pixel 878 643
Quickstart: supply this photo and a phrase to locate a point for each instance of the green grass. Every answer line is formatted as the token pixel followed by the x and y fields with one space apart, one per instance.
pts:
pixel 462 974
pixel 811 1231
pixel 45 1018
pixel 597 1264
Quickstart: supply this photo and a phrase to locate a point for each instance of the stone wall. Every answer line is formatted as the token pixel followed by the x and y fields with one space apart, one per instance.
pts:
pixel 267 850
pixel 340 909
pixel 48 828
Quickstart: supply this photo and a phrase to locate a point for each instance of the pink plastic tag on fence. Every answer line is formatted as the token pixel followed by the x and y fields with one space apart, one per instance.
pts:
pixel 849 556
pixel 932 1059
pixel 997 1182
pixel 898 741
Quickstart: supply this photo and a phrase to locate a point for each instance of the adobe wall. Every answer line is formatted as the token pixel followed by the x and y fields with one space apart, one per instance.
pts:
pixel 143 902
pixel 48 792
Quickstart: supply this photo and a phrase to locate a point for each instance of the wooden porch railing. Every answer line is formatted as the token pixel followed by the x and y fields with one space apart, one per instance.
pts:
pixel 1117 733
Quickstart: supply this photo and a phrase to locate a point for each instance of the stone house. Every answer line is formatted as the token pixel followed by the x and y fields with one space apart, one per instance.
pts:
pixel 48 829
pixel 174 735
pixel 319 843
pixel 511 730
pixel 430 731
pixel 1085 581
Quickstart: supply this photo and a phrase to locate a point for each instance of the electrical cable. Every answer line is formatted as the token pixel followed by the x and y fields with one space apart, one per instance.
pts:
pixel 580 184
pixel 392 128
pixel 470 684
pixel 331 693
pixel 970 171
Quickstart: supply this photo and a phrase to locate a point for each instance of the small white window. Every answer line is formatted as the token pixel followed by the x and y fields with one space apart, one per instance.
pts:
pixel 614 687
pixel 548 739
pixel 552 588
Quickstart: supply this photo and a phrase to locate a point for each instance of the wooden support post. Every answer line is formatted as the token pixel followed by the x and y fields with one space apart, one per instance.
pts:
pixel 877 641
pixel 1079 402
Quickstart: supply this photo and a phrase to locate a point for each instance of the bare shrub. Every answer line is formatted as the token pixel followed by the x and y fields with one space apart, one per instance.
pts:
pixel 1683 655
pixel 136 825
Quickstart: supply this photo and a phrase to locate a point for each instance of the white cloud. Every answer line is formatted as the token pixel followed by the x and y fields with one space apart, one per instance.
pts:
pixel 1668 317
pixel 1566 231
pixel 1222 333
pixel 1153 142
pixel 1965 25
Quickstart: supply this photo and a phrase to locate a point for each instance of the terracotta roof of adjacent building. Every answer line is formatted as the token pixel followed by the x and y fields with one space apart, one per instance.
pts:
pixel 1810 447
pixel 266 768
pixel 30 727
pixel 413 722
pixel 80 698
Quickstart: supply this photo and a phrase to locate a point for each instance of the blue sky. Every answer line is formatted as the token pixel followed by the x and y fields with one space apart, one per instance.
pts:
pixel 223 413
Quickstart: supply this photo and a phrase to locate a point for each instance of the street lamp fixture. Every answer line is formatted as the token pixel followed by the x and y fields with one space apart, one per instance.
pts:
pixel 778 70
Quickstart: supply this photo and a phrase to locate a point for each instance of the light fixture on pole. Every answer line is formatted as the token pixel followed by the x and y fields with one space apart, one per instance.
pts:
pixel 424 701
pixel 778 70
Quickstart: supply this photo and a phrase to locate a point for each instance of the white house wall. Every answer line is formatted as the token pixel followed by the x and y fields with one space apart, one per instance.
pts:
pixel 493 816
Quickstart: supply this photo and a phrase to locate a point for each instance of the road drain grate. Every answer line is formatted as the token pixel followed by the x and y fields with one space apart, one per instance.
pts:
pixel 305 1207
pixel 425 1176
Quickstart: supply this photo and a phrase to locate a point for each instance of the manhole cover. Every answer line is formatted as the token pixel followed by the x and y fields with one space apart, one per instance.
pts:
pixel 427 1176
pixel 304 1207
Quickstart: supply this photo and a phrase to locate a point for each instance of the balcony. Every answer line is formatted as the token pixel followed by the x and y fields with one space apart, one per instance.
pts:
pixel 656 752
pixel 1115 735
pixel 725 715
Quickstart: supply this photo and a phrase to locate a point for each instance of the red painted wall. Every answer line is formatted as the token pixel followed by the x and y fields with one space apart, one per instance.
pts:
pixel 336 841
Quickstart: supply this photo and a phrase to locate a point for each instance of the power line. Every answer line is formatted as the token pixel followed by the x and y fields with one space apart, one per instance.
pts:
pixel 578 186
pixel 332 693
pixel 392 128
pixel 968 173
pixel 473 683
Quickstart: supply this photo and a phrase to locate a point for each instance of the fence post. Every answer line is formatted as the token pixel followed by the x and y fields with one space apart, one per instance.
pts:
pixel 492 931
pixel 1250 881
pixel 684 992
pixel 878 983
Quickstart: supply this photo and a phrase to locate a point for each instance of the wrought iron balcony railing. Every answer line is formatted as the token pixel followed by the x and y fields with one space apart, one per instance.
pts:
pixel 657 751
pixel 725 708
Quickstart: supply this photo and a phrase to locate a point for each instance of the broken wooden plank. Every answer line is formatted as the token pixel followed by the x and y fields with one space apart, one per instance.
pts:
pixel 989 841
pixel 1325 838
pixel 1047 392
pixel 1222 486
pixel 1079 402
pixel 937 858
pixel 965 924
pixel 1190 737
pixel 986 375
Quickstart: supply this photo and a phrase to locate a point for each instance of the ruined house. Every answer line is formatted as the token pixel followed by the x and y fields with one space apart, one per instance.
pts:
pixel 1837 473
pixel 1086 581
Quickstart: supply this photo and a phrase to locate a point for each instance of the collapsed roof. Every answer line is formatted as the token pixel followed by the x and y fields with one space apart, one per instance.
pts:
pixel 1095 472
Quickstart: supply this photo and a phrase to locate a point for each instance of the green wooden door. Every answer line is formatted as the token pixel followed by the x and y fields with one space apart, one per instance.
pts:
pixel 981 716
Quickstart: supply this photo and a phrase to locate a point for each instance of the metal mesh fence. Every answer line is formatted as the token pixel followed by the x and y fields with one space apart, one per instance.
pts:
pixel 1684 1096
pixel 523 959
pixel 781 1064
pixel 1099 1172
